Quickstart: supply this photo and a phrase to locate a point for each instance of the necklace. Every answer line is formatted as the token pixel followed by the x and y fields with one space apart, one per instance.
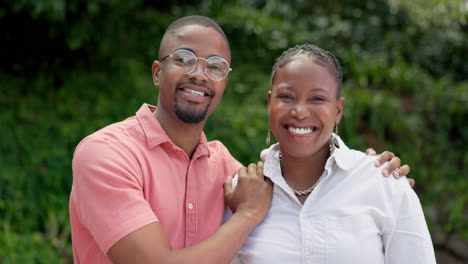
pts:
pixel 304 192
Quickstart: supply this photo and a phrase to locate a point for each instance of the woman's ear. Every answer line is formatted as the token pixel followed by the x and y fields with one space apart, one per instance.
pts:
pixel 155 71
pixel 339 109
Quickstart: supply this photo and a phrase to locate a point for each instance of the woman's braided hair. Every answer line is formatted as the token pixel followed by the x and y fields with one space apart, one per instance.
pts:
pixel 319 55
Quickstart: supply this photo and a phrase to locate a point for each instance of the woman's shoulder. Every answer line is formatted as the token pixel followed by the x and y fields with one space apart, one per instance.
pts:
pixel 361 167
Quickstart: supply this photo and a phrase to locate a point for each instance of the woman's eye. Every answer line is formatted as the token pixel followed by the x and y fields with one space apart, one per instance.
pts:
pixel 285 96
pixel 318 99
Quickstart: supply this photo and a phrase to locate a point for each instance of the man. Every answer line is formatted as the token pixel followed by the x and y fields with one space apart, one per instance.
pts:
pixel 149 189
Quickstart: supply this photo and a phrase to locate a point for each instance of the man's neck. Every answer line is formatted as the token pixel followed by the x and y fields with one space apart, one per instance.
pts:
pixel 185 136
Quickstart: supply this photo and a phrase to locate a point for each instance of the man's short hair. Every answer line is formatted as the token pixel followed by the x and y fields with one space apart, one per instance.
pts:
pixel 189 21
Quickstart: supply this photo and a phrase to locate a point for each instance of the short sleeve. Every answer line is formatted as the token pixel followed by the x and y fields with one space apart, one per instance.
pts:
pixel 107 191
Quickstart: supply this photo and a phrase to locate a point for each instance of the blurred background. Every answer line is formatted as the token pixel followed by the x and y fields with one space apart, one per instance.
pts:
pixel 68 68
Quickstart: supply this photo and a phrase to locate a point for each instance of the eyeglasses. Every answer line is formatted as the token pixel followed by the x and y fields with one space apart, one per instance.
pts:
pixel 216 68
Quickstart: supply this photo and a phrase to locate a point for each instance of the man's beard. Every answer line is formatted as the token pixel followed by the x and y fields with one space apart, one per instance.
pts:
pixel 188 114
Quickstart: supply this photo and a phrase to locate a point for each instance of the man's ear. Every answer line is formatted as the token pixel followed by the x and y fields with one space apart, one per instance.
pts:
pixel 155 71
pixel 339 109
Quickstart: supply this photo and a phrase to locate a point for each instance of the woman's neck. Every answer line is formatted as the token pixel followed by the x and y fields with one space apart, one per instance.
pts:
pixel 302 173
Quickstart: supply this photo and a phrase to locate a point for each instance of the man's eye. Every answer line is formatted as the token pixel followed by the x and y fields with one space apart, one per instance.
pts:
pixel 215 68
pixel 182 60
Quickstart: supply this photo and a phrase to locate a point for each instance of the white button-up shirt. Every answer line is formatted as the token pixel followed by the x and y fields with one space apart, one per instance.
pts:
pixel 354 215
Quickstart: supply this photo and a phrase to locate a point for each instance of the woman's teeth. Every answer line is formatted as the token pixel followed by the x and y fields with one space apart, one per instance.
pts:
pixel 301 130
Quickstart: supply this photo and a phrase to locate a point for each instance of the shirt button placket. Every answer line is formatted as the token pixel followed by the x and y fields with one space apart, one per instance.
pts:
pixel 190 202
pixel 307 254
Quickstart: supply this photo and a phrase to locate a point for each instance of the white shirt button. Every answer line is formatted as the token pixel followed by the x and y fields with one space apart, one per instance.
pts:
pixel 304 217
pixel 190 206
pixel 307 254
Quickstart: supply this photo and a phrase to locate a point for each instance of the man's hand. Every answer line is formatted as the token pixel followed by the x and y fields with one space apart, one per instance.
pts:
pixel 394 166
pixel 252 196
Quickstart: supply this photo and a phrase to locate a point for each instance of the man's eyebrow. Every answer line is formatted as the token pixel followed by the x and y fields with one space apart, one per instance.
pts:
pixel 191 50
pixel 187 49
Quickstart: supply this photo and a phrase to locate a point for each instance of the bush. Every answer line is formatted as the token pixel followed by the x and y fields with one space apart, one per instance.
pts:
pixel 69 68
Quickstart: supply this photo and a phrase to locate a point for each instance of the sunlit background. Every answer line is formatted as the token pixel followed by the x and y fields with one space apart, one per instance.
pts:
pixel 68 68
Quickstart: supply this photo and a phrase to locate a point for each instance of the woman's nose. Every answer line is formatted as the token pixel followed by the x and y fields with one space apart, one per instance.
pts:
pixel 300 111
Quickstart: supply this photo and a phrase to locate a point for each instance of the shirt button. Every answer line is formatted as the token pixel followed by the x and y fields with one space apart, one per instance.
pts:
pixel 190 206
pixel 307 254
pixel 304 217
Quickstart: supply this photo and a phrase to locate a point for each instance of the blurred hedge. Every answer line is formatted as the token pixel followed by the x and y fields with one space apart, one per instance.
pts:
pixel 68 68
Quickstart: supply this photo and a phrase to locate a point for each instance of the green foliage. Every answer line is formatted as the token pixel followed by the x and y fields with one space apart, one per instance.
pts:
pixel 69 68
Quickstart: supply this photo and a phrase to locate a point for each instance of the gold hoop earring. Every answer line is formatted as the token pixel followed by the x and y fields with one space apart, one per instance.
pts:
pixel 268 137
pixel 334 144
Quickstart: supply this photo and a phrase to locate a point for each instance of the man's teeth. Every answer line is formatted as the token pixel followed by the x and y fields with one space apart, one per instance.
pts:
pixel 194 92
pixel 301 130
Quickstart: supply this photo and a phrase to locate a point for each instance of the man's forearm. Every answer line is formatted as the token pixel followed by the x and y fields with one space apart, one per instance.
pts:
pixel 222 246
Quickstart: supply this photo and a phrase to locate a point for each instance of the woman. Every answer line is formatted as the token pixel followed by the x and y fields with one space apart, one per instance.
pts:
pixel 330 203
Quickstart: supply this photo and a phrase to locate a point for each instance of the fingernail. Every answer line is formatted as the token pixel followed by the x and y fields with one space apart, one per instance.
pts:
pixel 385 172
pixel 396 174
pixel 377 163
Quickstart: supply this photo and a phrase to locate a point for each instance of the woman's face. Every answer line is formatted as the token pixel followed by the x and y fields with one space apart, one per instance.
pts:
pixel 303 108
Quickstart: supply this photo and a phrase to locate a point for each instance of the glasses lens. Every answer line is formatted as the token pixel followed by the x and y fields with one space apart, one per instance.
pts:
pixel 217 68
pixel 185 59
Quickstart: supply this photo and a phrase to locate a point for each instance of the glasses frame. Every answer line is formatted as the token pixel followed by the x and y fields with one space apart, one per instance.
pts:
pixel 196 63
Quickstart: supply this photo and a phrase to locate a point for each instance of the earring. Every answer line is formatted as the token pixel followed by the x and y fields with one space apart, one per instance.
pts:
pixel 334 144
pixel 268 138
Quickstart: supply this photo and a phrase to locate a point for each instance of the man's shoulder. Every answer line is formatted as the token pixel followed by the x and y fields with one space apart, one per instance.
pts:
pixel 113 132
pixel 221 154
pixel 121 135
pixel 216 146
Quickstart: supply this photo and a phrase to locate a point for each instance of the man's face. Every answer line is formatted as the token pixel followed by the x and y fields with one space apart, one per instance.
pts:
pixel 193 96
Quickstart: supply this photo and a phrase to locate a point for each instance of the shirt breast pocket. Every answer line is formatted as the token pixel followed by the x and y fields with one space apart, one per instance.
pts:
pixel 354 239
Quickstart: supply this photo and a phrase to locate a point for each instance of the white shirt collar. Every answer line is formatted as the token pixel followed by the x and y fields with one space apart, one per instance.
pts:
pixel 342 156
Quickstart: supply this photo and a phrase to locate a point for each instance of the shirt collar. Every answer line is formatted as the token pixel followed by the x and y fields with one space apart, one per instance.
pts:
pixel 155 135
pixel 343 157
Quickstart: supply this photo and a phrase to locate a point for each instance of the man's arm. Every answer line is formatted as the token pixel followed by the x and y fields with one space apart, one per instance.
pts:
pixel 250 201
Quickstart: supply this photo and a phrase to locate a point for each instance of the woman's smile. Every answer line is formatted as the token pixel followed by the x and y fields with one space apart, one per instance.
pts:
pixel 300 130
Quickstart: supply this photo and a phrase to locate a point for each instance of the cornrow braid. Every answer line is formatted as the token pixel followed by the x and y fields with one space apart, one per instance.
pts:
pixel 320 56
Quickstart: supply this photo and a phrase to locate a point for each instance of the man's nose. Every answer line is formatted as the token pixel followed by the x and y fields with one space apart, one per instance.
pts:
pixel 198 73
